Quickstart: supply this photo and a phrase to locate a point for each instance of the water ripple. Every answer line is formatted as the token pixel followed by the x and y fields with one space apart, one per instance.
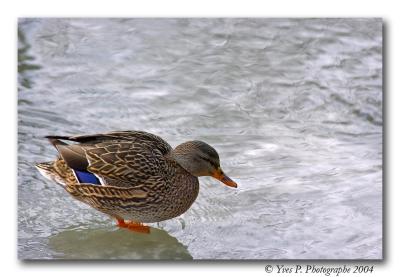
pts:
pixel 293 106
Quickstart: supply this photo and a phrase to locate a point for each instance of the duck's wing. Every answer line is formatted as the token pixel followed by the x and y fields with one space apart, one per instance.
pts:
pixel 121 158
pixel 119 163
pixel 125 162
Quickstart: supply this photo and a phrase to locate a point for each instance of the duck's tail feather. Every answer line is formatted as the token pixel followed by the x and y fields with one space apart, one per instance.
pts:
pixel 57 171
pixel 47 169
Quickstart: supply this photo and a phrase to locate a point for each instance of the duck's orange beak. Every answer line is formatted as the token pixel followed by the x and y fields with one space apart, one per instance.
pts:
pixel 220 175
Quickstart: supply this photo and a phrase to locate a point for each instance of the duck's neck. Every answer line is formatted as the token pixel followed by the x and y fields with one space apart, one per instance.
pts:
pixel 182 159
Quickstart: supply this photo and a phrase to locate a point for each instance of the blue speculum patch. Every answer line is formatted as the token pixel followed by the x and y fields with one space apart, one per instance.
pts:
pixel 87 177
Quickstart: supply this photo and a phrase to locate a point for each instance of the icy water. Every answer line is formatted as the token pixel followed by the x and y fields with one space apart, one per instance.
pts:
pixel 293 106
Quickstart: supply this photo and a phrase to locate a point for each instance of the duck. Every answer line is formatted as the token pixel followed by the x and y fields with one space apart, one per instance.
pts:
pixel 134 177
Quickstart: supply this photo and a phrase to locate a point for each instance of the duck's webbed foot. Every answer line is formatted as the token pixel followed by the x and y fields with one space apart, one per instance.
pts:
pixel 133 226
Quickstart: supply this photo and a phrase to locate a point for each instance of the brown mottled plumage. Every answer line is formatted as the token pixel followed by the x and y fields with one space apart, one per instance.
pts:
pixel 142 178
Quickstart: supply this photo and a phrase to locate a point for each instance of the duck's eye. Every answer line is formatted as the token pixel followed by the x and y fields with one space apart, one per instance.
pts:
pixel 211 162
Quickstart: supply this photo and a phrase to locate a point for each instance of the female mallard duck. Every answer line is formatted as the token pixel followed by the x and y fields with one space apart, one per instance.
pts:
pixel 133 175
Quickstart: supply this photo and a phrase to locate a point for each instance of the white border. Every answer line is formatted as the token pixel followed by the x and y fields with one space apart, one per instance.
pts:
pixel 179 8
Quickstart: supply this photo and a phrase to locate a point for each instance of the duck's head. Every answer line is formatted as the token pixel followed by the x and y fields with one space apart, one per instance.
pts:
pixel 200 159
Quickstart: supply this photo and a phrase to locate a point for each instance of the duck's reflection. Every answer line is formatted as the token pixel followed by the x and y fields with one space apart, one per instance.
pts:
pixel 114 243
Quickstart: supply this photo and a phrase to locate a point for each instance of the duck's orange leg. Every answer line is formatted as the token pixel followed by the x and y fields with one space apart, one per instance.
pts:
pixel 133 226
